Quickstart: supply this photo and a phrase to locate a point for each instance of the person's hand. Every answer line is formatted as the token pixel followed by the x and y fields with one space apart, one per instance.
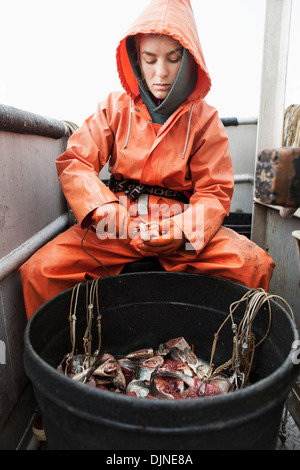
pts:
pixel 169 240
pixel 112 221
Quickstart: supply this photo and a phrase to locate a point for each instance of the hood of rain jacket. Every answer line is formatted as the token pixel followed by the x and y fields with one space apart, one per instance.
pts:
pixel 173 18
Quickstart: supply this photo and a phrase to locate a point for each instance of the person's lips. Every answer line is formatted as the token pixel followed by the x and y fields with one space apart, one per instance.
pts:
pixel 162 86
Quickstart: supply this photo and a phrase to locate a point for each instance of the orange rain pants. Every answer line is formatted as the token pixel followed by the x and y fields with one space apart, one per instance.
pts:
pixel 62 263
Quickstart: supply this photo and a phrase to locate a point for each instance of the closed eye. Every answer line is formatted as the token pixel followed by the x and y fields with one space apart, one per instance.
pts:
pixel 173 56
pixel 174 61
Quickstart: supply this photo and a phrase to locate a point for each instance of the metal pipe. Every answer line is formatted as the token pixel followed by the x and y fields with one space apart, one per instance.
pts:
pixel 243 179
pixel 234 121
pixel 247 121
pixel 12 261
pixel 24 122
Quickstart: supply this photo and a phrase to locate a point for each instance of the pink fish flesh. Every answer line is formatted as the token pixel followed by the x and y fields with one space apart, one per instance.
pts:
pixel 171 372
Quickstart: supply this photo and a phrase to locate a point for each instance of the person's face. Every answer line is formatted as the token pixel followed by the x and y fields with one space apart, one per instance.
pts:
pixel 160 59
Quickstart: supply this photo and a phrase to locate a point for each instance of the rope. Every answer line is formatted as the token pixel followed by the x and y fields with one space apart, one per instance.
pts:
pixel 71 127
pixel 291 126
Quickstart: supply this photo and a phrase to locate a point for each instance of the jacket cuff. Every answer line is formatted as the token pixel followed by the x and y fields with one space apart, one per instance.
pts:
pixel 191 223
pixel 87 220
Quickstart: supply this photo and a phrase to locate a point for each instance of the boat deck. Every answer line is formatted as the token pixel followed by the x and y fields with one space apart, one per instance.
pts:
pixel 291 436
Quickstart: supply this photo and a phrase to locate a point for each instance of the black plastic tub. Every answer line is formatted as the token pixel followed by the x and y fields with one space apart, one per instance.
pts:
pixel 240 222
pixel 143 310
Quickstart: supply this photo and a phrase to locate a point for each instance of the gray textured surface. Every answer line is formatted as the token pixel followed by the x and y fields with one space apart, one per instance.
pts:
pixel 290 435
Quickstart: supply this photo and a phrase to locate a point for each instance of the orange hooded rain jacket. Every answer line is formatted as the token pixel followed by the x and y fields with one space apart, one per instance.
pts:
pixel 189 152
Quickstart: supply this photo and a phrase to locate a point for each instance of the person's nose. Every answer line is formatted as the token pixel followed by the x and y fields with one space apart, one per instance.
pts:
pixel 162 69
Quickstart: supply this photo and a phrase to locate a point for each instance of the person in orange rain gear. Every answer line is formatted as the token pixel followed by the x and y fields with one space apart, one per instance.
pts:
pixel 167 152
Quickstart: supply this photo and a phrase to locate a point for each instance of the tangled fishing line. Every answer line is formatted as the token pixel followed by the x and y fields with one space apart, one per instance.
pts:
pixel 244 344
pixel 92 300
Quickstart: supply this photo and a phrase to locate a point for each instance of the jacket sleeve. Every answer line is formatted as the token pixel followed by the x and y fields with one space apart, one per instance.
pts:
pixel 78 167
pixel 213 183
